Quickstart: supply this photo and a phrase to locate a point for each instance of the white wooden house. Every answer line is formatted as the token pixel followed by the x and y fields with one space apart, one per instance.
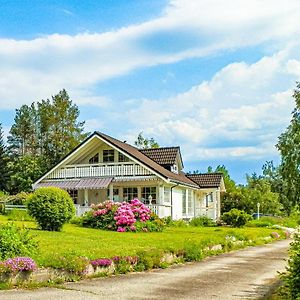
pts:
pixel 102 168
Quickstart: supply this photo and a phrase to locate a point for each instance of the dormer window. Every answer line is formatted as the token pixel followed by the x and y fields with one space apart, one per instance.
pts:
pixel 108 155
pixel 174 169
pixel 94 159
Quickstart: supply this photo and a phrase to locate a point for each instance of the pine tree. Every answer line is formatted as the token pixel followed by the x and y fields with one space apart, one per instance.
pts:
pixel 4 173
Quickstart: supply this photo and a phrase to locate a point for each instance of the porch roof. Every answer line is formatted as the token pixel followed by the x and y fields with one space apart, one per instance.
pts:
pixel 81 184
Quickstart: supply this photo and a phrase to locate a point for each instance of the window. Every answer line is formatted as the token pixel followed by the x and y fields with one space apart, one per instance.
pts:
pixel 123 158
pixel 190 203
pixel 208 199
pixel 116 197
pixel 184 201
pixel 94 159
pixel 74 195
pixel 167 194
pixel 108 155
pixel 149 195
pixel 130 193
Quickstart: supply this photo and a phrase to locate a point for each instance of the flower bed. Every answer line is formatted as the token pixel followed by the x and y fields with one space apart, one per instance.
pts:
pixel 126 216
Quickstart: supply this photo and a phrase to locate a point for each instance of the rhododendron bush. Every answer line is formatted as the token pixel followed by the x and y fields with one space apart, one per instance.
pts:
pixel 120 216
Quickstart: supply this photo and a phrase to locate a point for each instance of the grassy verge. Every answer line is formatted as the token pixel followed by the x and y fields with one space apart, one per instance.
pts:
pixel 94 243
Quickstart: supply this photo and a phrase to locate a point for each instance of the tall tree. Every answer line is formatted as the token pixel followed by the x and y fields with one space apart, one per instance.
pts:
pixel 145 143
pixel 289 148
pixel 4 172
pixel 65 129
pixel 22 138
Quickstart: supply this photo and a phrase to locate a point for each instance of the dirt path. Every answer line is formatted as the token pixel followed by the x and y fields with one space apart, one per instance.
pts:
pixel 242 274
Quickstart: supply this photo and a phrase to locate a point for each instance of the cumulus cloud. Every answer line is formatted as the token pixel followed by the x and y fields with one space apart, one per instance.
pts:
pixel 239 113
pixel 35 69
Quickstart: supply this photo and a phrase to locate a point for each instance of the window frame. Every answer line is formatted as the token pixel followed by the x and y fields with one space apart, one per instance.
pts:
pixel 148 191
pixel 108 155
pixel 132 193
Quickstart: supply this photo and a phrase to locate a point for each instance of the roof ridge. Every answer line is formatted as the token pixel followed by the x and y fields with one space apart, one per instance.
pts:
pixel 169 147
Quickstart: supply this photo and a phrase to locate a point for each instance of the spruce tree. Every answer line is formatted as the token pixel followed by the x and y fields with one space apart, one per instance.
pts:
pixel 4 173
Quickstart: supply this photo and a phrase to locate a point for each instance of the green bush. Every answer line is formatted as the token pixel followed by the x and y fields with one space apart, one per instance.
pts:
pixel 71 262
pixel 292 278
pixel 178 223
pixel 236 218
pixel 15 242
pixel 192 251
pixel 51 207
pixel 148 259
pixel 202 222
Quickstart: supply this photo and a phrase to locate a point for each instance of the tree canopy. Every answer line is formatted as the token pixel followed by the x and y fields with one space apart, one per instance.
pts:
pixel 289 148
pixel 145 143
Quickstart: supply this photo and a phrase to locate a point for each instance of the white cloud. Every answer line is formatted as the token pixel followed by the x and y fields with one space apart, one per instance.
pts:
pixel 35 69
pixel 239 113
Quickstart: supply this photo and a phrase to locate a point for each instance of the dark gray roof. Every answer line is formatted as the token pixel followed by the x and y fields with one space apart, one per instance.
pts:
pixel 207 180
pixel 162 156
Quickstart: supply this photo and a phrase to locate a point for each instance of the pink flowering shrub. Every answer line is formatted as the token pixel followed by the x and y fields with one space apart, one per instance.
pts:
pixel 121 217
pixel 17 264
pixel 101 262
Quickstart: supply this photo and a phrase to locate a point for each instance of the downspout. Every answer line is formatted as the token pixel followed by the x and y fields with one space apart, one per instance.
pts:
pixel 172 199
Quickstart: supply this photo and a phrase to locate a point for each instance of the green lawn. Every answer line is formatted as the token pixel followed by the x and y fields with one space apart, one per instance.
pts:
pixel 94 243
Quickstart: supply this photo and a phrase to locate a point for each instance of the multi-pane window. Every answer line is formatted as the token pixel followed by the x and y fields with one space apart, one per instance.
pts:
pixel 116 197
pixel 190 202
pixel 123 158
pixel 130 193
pixel 94 159
pixel 74 195
pixel 184 201
pixel 149 195
pixel 108 155
pixel 167 194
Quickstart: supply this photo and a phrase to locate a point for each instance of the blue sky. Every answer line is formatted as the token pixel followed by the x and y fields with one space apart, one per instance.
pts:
pixel 215 78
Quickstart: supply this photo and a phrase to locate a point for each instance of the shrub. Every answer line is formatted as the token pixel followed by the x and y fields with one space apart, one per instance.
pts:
pixel 192 252
pixel 15 242
pixel 125 216
pixel 51 207
pixel 101 216
pixel 148 259
pixel 202 221
pixel 178 223
pixel 70 262
pixel 236 218
pixel 291 278
pixel 20 264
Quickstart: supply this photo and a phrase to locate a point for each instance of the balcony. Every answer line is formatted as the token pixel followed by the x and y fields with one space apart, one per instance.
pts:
pixel 98 170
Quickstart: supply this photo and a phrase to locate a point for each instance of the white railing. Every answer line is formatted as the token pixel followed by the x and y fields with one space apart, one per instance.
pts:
pixel 80 210
pixel 160 210
pixel 98 170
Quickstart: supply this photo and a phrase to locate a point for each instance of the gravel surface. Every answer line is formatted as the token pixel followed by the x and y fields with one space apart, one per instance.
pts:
pixel 244 274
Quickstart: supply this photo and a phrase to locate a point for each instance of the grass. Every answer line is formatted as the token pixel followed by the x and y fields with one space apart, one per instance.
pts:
pixel 94 243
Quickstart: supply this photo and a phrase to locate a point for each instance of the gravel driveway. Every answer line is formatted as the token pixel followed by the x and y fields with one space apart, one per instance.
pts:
pixel 241 274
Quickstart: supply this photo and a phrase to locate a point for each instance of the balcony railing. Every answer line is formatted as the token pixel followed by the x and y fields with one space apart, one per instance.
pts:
pixel 98 170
